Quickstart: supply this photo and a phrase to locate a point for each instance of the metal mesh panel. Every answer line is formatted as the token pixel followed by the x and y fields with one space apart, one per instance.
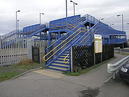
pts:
pixel 83 56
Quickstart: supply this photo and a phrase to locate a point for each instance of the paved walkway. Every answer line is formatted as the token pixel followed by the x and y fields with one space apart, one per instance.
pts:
pixel 50 73
pixel 48 83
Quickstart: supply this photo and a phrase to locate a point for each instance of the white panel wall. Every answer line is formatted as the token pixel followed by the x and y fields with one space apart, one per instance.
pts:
pixel 20 50
pixel 12 56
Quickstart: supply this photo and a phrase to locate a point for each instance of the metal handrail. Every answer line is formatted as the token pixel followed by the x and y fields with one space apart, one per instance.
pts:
pixel 92 19
pixel 66 57
pixel 60 23
pixel 63 50
pixel 75 44
pixel 68 23
pixel 61 44
pixel 91 33
pixel 63 26
pixel 76 41
pixel 87 35
pixel 62 37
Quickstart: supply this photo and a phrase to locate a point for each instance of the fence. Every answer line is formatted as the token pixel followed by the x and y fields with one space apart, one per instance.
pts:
pixel 84 57
pixel 21 50
pixel 12 55
pixel 13 50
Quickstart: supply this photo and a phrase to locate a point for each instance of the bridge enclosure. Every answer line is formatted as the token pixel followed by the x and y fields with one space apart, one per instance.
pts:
pixel 58 41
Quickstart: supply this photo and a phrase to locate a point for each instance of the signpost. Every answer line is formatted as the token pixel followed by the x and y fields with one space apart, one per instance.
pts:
pixel 98 45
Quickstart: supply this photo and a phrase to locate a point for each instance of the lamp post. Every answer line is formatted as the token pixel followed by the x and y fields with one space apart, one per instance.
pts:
pixel 17 29
pixel 66 5
pixel 74 4
pixel 17 20
pixel 122 21
pixel 122 25
pixel 18 25
pixel 40 15
pixel 128 23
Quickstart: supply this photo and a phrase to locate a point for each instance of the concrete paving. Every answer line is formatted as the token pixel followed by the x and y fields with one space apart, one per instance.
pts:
pixel 114 89
pixel 38 85
pixel 48 83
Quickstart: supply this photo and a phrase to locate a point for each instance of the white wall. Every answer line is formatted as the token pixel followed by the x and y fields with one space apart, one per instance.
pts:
pixel 10 56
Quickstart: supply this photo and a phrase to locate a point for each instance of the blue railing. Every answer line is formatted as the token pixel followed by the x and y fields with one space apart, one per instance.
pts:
pixel 64 37
pixel 80 39
pixel 59 45
pixel 91 19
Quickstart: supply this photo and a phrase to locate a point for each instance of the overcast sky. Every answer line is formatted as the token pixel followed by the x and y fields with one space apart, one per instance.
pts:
pixel 54 9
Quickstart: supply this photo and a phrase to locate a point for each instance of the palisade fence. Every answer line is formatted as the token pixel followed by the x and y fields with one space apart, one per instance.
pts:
pixel 10 56
pixel 84 57
pixel 13 51
pixel 20 50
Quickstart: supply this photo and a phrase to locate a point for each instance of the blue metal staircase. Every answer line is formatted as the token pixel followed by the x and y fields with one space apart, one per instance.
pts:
pixel 62 35
pixel 62 63
pixel 59 56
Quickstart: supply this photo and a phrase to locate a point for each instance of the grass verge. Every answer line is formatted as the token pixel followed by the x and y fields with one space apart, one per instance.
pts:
pixel 8 75
pixel 8 72
pixel 83 71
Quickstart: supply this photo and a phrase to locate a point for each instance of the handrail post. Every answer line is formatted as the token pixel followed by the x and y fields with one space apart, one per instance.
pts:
pixel 71 66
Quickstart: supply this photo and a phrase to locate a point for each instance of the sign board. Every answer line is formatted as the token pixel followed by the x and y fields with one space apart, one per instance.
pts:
pixel 98 43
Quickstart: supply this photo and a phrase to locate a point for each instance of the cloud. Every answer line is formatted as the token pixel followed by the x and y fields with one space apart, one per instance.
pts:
pixel 55 9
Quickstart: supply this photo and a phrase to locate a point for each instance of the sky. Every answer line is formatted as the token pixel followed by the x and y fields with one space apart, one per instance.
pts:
pixel 54 9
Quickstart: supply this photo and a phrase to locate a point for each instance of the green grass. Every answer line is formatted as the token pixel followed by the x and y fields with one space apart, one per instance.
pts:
pixel 84 71
pixel 8 72
pixel 8 75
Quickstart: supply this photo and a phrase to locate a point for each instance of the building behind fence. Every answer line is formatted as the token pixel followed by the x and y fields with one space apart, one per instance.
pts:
pixel 14 51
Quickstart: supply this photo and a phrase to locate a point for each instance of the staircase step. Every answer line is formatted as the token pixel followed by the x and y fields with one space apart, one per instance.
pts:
pixel 63 56
pixel 58 68
pixel 60 65
pixel 63 59
pixel 64 62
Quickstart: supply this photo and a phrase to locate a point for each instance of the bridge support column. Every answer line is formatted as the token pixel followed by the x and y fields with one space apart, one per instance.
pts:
pixel 49 39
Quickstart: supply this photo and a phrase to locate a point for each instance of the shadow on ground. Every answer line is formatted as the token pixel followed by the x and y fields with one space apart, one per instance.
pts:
pixel 89 92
